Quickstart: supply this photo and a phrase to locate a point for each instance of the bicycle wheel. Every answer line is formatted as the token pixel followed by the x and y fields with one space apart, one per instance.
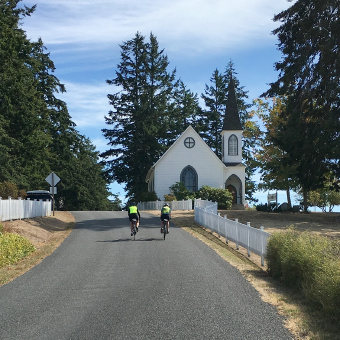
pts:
pixel 164 230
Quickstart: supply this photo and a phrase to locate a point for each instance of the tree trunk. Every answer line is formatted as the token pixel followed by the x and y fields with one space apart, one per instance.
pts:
pixel 305 200
pixel 288 199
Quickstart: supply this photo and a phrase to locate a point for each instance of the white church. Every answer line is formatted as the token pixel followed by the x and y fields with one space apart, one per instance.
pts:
pixel 190 160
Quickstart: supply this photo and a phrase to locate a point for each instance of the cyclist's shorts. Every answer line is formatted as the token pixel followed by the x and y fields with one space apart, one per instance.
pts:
pixel 165 216
pixel 133 217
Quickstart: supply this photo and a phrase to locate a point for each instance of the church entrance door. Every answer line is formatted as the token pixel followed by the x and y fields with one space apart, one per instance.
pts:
pixel 233 191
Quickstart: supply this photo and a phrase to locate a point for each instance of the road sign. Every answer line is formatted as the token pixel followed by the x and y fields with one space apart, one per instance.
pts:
pixel 52 179
pixel 272 197
pixel 53 190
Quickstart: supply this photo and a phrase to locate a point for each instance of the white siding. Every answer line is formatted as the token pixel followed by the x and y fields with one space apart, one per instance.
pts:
pixel 168 169
pixel 226 157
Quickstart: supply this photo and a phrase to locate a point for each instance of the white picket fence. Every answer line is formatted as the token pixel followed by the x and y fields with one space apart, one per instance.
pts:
pixel 206 205
pixel 252 239
pixel 12 209
pixel 157 205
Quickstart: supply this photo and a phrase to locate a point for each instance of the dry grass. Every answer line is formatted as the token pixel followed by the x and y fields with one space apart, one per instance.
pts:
pixel 45 233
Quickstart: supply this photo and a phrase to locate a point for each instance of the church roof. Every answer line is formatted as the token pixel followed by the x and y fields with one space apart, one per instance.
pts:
pixel 231 118
pixel 192 131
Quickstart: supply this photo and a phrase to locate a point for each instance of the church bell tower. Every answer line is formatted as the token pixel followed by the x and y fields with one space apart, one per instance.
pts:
pixel 232 130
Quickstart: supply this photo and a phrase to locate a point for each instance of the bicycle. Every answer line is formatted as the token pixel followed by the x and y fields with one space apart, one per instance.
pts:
pixel 134 228
pixel 164 229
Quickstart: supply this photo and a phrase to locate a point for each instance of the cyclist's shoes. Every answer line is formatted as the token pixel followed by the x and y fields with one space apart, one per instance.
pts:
pixel 167 231
pixel 131 233
pixel 161 230
pixel 137 229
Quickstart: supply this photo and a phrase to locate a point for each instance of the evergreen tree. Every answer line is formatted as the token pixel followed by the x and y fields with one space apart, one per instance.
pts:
pixel 142 113
pixel 211 121
pixel 20 103
pixel 186 111
pixel 309 79
pixel 37 135
pixel 83 185
pixel 275 174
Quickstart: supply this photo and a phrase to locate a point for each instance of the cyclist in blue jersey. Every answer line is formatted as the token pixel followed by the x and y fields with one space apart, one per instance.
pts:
pixel 133 213
pixel 166 214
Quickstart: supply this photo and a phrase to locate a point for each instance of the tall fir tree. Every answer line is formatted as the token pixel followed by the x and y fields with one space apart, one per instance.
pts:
pixel 142 112
pixel 276 174
pixel 37 135
pixel 83 185
pixel 309 77
pixel 211 121
pixel 186 111
pixel 20 102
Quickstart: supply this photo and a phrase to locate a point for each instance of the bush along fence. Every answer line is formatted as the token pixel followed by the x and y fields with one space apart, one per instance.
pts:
pixel 12 209
pixel 157 205
pixel 252 239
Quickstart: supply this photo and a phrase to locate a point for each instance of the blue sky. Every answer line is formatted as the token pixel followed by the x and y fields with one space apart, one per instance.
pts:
pixel 83 38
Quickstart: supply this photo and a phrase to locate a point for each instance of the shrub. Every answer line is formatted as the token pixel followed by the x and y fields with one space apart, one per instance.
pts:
pixel 170 198
pixel 222 196
pixel 180 191
pixel 266 207
pixel 13 248
pixel 148 196
pixel 8 189
pixel 309 263
pixel 323 285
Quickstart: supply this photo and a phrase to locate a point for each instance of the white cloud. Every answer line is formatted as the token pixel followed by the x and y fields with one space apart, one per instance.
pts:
pixel 87 103
pixel 183 25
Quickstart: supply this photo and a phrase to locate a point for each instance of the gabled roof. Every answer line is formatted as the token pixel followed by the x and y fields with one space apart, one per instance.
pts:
pixel 178 140
pixel 231 118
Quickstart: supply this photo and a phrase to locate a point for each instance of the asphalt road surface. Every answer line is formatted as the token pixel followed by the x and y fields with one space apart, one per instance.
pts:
pixel 100 284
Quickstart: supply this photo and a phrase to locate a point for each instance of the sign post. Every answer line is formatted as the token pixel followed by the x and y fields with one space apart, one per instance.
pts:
pixel 52 180
pixel 272 198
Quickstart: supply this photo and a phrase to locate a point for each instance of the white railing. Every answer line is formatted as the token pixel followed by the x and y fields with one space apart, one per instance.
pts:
pixel 12 209
pixel 207 205
pixel 157 205
pixel 252 239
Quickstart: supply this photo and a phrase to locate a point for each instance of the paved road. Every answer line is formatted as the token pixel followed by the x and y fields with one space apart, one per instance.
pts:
pixel 100 284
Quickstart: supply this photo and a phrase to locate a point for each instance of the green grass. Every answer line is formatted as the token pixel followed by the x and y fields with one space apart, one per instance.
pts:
pixel 13 248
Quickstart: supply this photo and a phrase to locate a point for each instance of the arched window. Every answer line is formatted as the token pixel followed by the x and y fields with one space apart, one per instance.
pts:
pixel 232 146
pixel 189 178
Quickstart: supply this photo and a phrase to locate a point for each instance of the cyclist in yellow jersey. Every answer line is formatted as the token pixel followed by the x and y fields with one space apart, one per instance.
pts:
pixel 133 213
pixel 166 214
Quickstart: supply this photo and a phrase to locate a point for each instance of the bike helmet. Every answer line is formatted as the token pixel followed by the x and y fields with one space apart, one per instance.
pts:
pixel 133 203
pixel 166 204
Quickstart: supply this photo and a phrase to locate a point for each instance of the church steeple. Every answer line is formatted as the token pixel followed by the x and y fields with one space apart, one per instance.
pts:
pixel 231 118
pixel 232 130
